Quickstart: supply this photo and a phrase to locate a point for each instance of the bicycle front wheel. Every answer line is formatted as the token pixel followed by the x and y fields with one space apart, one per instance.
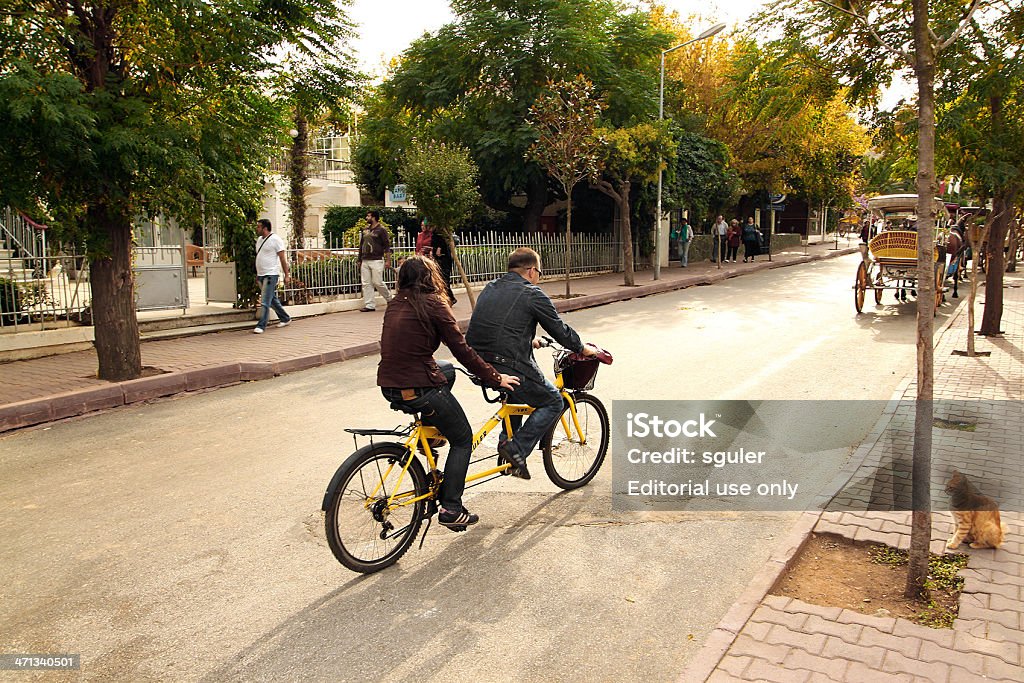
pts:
pixel 370 517
pixel 574 450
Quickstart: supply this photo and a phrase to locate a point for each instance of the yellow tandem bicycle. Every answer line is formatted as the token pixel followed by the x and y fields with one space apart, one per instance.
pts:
pixel 377 500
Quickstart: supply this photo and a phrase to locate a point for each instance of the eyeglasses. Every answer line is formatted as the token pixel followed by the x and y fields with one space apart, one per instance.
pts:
pixel 540 273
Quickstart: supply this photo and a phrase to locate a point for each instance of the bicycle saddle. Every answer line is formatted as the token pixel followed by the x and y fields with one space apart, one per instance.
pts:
pixel 402 408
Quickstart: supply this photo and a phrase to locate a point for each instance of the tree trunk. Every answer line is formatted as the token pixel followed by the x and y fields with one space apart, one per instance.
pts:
pixel 568 243
pixel 536 201
pixel 921 523
pixel 620 195
pixel 298 176
pixel 1011 264
pixel 1002 211
pixel 113 299
pixel 462 271
pixel 975 251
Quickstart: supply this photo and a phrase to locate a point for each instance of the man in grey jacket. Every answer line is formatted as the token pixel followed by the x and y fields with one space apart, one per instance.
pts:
pixel 502 331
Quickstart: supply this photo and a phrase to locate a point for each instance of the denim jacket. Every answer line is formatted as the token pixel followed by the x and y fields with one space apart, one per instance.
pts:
pixel 505 321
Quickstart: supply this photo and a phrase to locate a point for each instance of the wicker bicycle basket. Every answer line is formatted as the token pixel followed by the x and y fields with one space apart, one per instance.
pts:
pixel 578 374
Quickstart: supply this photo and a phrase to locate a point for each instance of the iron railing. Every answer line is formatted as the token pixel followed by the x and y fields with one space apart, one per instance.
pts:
pixel 328 271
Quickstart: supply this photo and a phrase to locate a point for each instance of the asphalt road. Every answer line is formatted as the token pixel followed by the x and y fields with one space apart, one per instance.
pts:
pixel 182 540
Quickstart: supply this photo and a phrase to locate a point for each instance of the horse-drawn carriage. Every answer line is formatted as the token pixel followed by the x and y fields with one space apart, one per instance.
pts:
pixel 889 258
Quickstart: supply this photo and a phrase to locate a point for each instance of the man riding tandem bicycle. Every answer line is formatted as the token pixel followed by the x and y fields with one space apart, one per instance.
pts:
pixel 377 500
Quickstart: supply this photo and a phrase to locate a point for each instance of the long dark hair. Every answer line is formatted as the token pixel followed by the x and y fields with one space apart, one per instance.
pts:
pixel 419 279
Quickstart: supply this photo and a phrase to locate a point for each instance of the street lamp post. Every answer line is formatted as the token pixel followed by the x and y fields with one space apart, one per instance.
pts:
pixel 714 30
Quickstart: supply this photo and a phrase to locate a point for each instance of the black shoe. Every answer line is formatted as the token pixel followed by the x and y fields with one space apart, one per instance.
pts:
pixel 518 469
pixel 457 521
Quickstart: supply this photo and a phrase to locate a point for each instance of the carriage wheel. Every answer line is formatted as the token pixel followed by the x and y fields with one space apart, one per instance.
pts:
pixel 939 281
pixel 878 290
pixel 860 287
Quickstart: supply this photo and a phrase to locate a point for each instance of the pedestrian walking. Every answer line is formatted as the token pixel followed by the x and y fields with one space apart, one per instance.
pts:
pixel 685 238
pixel 374 255
pixel 270 264
pixel 751 245
pixel 445 261
pixel 733 241
pixel 718 233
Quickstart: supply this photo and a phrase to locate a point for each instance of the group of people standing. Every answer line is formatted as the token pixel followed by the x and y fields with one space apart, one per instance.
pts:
pixel 727 237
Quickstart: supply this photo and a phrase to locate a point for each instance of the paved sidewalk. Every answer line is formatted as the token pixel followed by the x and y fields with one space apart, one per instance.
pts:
pixel 772 638
pixel 55 387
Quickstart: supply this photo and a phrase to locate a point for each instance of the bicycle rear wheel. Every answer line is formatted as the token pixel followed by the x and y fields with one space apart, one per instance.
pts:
pixel 572 458
pixel 369 520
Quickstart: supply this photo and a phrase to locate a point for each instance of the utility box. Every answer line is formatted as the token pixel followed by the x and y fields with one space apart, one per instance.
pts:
pixel 221 282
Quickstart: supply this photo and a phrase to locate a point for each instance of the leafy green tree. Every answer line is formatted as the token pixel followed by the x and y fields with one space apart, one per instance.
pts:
pixel 474 81
pixel 441 178
pixel 867 42
pixel 982 105
pixel 631 155
pixel 567 147
pixel 701 177
pixel 110 110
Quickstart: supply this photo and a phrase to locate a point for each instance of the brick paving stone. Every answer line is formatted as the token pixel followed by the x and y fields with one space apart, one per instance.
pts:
pixel 745 645
pixel 735 666
pixel 997 669
pixel 836 648
pixel 975 627
pixel 777 602
pixel 884 624
pixel 833 627
pixel 720 676
pixel 792 620
pixel 907 646
pixel 858 672
pixel 829 613
pixel 799 659
pixel 1007 651
pixel 939 636
pixel 930 652
pixel 896 663
pixel 809 642
pixel 760 670
pixel 1000 633
pixel 757 630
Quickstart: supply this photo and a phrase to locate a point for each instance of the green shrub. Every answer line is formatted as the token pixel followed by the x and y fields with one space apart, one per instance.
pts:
pixel 338 275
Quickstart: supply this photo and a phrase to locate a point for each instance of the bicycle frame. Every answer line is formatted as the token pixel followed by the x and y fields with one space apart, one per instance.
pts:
pixel 422 434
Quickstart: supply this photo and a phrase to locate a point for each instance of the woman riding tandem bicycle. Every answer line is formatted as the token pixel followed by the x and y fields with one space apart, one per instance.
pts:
pixel 381 494
pixel 415 323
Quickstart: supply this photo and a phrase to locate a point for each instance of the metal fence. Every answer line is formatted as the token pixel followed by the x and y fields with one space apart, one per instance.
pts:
pixel 46 290
pixel 332 272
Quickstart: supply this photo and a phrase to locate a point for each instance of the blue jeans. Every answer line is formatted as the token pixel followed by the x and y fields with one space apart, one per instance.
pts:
pixel 442 410
pixel 268 300
pixel 547 404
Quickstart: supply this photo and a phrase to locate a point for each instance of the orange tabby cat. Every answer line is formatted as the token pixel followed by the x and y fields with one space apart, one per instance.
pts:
pixel 977 516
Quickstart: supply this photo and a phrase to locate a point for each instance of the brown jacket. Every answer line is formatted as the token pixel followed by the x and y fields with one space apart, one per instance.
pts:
pixel 407 347
pixel 374 244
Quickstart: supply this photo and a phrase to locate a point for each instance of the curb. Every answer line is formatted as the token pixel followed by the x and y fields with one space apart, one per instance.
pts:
pixel 701 666
pixel 79 402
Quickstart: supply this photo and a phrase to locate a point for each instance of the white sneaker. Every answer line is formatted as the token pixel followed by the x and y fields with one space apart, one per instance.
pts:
pixel 258 330
pixel 284 323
